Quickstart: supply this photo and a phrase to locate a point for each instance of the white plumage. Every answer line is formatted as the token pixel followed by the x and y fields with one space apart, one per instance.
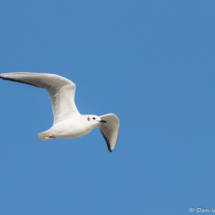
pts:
pixel 68 122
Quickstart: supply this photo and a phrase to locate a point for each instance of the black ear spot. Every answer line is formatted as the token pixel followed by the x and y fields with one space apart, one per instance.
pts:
pixel 88 118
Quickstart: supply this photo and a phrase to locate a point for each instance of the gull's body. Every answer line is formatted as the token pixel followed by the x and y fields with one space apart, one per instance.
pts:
pixel 63 129
pixel 68 122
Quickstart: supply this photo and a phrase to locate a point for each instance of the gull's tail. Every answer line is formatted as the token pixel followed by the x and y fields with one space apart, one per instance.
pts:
pixel 43 134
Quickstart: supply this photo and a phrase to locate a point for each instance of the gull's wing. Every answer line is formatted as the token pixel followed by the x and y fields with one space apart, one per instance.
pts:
pixel 60 89
pixel 110 130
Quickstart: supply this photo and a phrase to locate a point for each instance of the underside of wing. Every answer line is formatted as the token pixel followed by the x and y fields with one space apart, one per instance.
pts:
pixel 110 130
pixel 60 89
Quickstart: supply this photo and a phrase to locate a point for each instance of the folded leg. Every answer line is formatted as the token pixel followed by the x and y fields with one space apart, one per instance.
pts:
pixel 49 137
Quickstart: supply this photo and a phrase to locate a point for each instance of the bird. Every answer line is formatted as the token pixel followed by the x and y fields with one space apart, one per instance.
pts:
pixel 68 122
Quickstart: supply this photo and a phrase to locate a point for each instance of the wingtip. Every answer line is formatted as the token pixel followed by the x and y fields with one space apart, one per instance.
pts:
pixel 2 75
pixel 110 150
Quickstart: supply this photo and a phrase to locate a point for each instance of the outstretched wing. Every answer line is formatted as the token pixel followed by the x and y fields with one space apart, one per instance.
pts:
pixel 60 89
pixel 110 130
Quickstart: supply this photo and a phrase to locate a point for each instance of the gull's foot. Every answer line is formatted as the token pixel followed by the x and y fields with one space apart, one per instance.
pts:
pixel 49 137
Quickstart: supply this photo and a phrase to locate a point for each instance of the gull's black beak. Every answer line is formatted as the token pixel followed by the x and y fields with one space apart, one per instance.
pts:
pixel 103 121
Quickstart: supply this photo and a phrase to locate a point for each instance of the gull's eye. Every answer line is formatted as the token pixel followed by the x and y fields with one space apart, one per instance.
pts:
pixel 88 118
pixel 94 118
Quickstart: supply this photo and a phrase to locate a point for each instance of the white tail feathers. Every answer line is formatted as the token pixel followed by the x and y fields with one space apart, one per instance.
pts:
pixel 42 135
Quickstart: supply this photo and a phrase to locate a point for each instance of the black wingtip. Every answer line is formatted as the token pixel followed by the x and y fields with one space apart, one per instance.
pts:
pixel 109 149
pixel 12 79
pixel 108 144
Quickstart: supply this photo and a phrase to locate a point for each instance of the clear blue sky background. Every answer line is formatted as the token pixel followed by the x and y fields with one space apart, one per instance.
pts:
pixel 149 62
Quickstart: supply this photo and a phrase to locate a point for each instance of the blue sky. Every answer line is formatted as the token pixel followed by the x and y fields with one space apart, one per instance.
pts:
pixel 149 62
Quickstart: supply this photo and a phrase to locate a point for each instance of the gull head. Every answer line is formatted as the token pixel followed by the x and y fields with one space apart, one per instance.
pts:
pixel 95 120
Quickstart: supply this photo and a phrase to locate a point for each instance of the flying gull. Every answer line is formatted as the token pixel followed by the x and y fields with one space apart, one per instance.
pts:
pixel 68 122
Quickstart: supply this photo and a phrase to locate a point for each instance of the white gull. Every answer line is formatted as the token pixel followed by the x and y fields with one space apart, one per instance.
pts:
pixel 68 122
